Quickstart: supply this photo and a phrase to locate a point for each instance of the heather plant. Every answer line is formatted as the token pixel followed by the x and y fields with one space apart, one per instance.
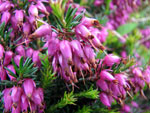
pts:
pixel 78 56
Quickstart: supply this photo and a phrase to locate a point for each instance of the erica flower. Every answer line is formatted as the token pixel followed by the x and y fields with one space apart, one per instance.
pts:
pixel 29 86
pixel 106 76
pixel 111 59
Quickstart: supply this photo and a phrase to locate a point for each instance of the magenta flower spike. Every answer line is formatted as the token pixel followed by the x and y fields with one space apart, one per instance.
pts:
pixel 33 10
pixel 17 59
pixel 43 30
pixel 7 99
pixel 36 58
pixel 1 51
pixel 19 15
pixel 11 67
pixel 20 50
pixel 24 103
pixel 102 84
pixel 2 73
pixel 5 17
pixel 66 50
pixel 29 52
pixel 105 99
pixel 29 86
pixel 42 8
pixel 106 76
pixel 111 59
pixel 8 57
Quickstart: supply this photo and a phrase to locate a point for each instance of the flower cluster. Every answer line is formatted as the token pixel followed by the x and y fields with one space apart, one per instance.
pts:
pixel 122 10
pixel 7 56
pixel 73 57
pixel 24 96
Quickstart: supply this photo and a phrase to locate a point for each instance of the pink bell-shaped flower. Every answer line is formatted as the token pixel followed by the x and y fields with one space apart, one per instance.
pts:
pixel 105 99
pixel 2 73
pixel 7 99
pixel 43 30
pixel 8 57
pixel 11 67
pixel 66 50
pixel 33 10
pixel 29 52
pixel 24 103
pixel 106 76
pixel 29 86
pixel 20 50
pixel 111 59
pixel 1 51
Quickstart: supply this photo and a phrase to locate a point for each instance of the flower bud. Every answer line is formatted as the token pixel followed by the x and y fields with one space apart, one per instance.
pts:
pixel 11 67
pixel 29 86
pixel 83 31
pixel 36 58
pixel 33 10
pixel 137 72
pixel 111 59
pixel 16 109
pixel 29 52
pixel 76 47
pixel 8 57
pixel 89 21
pixel 20 50
pixel 5 6
pixel 16 94
pixel 17 59
pixel 66 50
pixel 2 73
pixel 42 31
pixel 102 84
pixel 19 15
pixel 121 79
pixel 126 109
pixel 54 42
pixel 7 99
pixel 105 99
pixel 1 51
pixel 41 7
pixel 106 76
pixel 26 28
pixel 98 2
pixel 89 53
pixel 37 96
pixel 24 103
pixel 14 23
pixel 5 17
